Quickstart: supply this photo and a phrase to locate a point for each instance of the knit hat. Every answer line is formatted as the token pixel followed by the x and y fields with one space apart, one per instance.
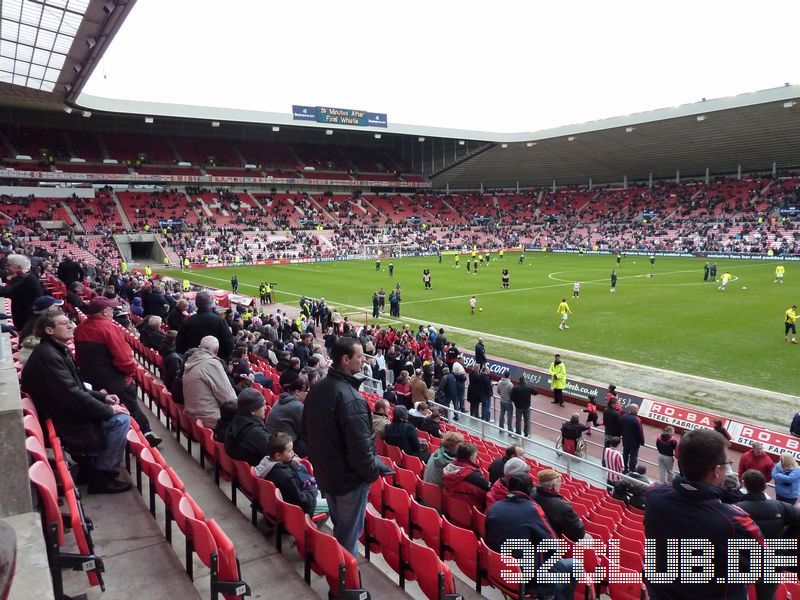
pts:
pixel 516 466
pixel 547 475
pixel 203 300
pixel 249 401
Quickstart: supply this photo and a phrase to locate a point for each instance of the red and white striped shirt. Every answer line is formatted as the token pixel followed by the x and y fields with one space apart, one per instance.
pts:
pixel 613 460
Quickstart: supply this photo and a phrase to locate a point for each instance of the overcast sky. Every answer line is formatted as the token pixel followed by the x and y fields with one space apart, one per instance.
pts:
pixel 507 66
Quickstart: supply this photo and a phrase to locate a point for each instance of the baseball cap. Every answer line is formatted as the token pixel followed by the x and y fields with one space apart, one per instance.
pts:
pixel 101 303
pixel 42 303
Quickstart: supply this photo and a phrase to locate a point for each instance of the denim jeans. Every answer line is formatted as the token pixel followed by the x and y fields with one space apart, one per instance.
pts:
pixel 486 408
pixel 115 430
pixel 561 591
pixel 506 408
pixel 347 515
pixel 524 419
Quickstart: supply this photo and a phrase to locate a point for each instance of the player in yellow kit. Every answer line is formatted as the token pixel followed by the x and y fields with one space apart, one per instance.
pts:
pixel 726 277
pixel 779 271
pixel 563 310
pixel 791 318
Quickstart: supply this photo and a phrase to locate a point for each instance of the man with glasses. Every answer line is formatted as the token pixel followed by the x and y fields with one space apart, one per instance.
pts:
pixel 89 423
pixel 690 510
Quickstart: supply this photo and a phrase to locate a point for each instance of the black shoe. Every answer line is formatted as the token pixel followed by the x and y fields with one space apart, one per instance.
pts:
pixel 100 475
pixel 562 405
pixel 109 486
pixel 152 438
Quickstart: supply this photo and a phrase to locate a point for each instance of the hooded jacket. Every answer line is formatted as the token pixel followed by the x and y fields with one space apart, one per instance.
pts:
pixel 464 481
pixel 692 510
pixel 205 387
pixel 286 416
pixel 246 439
pixel 666 444
pixel 436 464
pixel 286 477
pixel 337 427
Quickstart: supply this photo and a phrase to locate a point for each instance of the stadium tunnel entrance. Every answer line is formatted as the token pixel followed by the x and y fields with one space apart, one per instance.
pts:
pixel 140 248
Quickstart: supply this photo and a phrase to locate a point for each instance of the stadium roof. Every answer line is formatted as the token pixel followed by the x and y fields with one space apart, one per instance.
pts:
pixel 49 48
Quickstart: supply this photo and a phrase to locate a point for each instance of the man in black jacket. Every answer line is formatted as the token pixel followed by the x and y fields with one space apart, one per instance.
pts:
pixel 632 438
pixel 88 422
pixel 521 399
pixel 559 512
pixel 205 322
pixel 774 518
pixel 480 353
pixel 69 271
pixel 612 421
pixel 338 429
pixel 22 289
pixel 404 435
pixel 246 438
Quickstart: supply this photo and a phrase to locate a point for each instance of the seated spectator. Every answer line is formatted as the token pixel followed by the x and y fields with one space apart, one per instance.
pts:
pixel 380 417
pixel 281 468
pixel 497 466
pixel 431 424
pixel 136 307
pixel 560 514
pixel 517 516
pixel 246 438
pixel 571 432
pixel 150 334
pixel 74 297
pixel 404 435
pixel 757 459
pixel 89 423
pixel 499 488
pixel 205 383
pixel 291 372
pixel 418 413
pixel 227 413
pixel 786 474
pixel 463 479
pixel 442 456
pixel 633 492
pixel 171 361
pixel 287 413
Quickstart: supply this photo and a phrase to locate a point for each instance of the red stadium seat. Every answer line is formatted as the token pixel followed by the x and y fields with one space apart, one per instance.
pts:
pixel 327 557
pixel 433 576
pixel 462 546
pixel 426 523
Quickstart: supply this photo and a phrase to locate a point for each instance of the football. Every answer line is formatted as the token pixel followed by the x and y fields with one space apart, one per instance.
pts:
pixel 744 287
pixel 480 309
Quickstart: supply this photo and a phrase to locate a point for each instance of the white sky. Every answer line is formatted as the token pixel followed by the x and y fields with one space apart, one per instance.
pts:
pixel 507 66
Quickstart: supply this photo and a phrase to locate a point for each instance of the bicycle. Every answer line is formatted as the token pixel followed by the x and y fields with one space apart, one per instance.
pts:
pixel 576 449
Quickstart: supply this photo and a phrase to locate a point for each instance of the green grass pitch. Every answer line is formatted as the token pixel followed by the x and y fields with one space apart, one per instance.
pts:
pixel 673 320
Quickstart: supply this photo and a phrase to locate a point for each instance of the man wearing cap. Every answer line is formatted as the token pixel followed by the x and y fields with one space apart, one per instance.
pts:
pixel 88 422
pixel 247 436
pixel 205 322
pixel 560 514
pixel 23 288
pixel 104 359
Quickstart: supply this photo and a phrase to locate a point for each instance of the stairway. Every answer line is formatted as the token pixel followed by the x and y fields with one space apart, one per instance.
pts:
pixel 75 223
pixel 123 215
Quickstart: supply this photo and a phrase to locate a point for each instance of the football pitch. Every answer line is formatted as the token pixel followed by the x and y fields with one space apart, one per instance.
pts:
pixel 673 320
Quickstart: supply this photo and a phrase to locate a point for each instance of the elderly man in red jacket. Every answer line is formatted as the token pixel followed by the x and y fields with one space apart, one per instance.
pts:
pixel 104 359
pixel 757 459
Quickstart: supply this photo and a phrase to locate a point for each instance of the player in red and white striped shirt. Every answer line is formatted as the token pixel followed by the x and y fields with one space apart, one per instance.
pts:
pixel 612 460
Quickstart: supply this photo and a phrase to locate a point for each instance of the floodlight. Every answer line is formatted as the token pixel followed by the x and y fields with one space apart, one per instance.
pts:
pixel 789 104
pixel 87 113
pixel 630 129
pixel 701 117
pixel 329 132
pixel 377 136
pixel 504 145
pixel 215 123
pixel 420 139
pixel 461 142
pixel 68 110
pixel 148 120
pixel 571 138
pixel 276 128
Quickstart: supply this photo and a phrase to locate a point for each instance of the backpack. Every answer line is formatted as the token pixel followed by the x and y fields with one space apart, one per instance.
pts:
pixel 440 397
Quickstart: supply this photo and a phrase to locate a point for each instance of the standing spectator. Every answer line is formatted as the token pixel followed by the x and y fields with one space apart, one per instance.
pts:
pixel 691 507
pixel 518 517
pixel 720 429
pixel 485 392
pixel 521 399
pixel 338 429
pixel 447 385
pixel 88 422
pixel 612 420
pixel 205 383
pixel 286 415
pixel 203 323
pixel 442 456
pixel 558 379
pixel 402 389
pixel 613 461
pixel 559 512
pixel 787 479
pixel 460 376
pixel 154 302
pixel 380 417
pixel 504 387
pixel 497 466
pixel 247 436
pixel 480 353
pixel 178 314
pixel 757 459
pixel 23 288
pixel 463 479
pixel 150 333
pixel 69 271
pixel 666 445
pixel 794 428
pixel 474 393
pixel 632 438
pixel 104 359
pixel 419 389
